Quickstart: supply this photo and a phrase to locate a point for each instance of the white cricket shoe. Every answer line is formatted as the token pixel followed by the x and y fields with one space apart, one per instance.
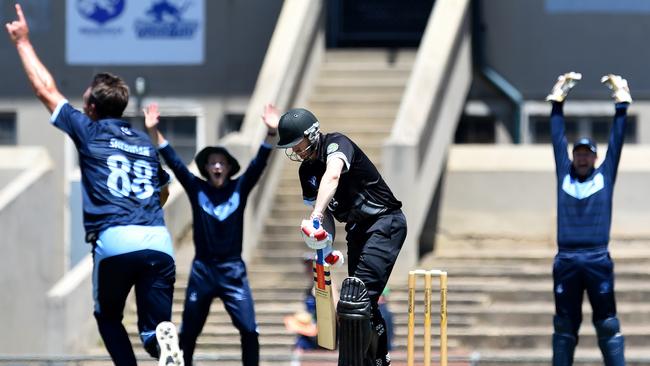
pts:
pixel 563 85
pixel 170 353
pixel 621 92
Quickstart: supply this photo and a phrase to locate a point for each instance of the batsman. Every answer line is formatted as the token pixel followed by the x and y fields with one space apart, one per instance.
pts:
pixel 339 181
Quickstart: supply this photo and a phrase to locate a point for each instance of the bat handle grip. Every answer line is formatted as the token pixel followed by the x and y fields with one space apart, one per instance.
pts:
pixel 320 257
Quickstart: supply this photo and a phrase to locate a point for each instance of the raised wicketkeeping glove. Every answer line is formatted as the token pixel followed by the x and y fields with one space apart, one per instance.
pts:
pixel 314 238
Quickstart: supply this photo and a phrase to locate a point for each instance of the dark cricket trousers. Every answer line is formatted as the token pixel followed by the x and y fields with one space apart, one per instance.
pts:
pixel 575 271
pixel 373 247
pixel 229 282
pixel 153 274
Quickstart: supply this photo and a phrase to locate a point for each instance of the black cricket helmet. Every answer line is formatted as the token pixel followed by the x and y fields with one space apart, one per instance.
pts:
pixel 296 124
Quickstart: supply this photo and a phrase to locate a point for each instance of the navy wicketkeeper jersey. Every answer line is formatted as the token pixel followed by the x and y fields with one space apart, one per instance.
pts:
pixel 217 213
pixel 584 209
pixel 120 172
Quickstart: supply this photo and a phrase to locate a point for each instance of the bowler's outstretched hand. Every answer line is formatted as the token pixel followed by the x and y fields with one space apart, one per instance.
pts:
pixel 18 29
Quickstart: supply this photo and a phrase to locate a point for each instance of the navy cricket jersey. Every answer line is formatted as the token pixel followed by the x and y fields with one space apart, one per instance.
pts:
pixel 584 209
pixel 217 213
pixel 120 172
pixel 361 193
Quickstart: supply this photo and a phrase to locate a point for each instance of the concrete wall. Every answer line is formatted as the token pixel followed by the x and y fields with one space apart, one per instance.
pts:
pixel 33 129
pixel 7 175
pixel 413 157
pixel 69 326
pixel 30 260
pixel 531 42
pixel 509 193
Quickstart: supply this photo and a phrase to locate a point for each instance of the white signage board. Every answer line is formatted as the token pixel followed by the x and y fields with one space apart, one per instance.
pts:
pixel 135 32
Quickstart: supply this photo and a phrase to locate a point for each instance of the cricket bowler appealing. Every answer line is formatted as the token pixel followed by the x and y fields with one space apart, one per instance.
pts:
pixel 584 217
pixel 339 180
pixel 123 188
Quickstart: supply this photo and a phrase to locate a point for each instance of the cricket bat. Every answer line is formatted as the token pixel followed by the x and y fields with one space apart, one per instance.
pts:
pixel 325 312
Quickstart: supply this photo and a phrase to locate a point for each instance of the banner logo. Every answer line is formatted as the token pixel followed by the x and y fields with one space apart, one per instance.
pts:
pixel 164 19
pixel 100 11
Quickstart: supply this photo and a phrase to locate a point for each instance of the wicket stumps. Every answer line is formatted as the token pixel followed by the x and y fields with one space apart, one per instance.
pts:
pixel 410 345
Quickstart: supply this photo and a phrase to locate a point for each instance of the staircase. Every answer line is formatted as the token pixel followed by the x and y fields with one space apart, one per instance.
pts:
pixel 356 93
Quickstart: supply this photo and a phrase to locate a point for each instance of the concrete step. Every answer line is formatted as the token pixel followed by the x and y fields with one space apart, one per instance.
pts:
pixel 329 116
pixel 352 89
pixel 505 337
pixel 587 355
pixel 370 55
pixel 541 314
pixel 535 273
pixel 543 259
pixel 298 211
pixel 378 97
pixel 626 291
pixel 336 101
pixel 543 253
pixel 387 83
pixel 491 248
pixel 371 72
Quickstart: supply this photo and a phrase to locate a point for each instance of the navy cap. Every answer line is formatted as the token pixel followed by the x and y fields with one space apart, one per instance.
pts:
pixel 587 142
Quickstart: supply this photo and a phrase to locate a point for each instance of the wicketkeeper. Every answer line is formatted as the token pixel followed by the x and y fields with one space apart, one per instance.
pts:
pixel 584 216
pixel 338 180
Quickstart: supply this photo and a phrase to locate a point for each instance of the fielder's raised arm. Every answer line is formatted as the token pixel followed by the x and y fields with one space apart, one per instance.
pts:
pixel 38 75
pixel 271 119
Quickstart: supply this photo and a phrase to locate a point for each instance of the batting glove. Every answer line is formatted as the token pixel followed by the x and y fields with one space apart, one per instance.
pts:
pixel 314 238
pixel 335 258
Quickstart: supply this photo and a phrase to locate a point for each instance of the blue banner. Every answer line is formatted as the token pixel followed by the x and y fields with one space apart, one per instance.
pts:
pixel 135 32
